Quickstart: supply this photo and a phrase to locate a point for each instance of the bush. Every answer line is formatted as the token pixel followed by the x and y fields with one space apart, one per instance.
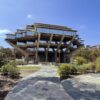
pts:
pixel 79 60
pixel 1 63
pixel 10 70
pixel 90 67
pixel 73 69
pixel 85 68
pixel 64 70
pixel 97 62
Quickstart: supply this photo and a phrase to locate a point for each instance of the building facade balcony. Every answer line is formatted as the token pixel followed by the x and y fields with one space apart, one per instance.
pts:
pixel 10 36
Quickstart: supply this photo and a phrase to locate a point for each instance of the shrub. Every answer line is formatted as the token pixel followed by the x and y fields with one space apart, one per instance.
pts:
pixel 73 69
pixel 85 68
pixel 97 62
pixel 10 70
pixel 2 63
pixel 90 67
pixel 79 60
pixel 64 70
pixel 82 69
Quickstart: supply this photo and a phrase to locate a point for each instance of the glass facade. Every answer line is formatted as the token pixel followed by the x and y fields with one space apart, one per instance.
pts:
pixel 20 43
pixel 29 33
pixel 29 42
pixel 24 34
pixel 41 41
pixel 41 49
pixel 30 49
pixel 10 36
pixel 19 35
pixel 75 46
pixel 52 42
pixel 53 31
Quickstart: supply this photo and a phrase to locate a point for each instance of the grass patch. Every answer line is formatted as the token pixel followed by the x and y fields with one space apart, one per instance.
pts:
pixel 27 70
pixel 28 67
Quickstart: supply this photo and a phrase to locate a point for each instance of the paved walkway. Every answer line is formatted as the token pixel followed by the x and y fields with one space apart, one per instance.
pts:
pixel 42 85
pixel 45 85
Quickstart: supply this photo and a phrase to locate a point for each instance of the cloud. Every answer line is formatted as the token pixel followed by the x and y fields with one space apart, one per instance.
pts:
pixel 35 18
pixel 30 16
pixel 3 32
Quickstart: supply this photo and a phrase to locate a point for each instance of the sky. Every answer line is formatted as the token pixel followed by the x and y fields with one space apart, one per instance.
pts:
pixel 82 15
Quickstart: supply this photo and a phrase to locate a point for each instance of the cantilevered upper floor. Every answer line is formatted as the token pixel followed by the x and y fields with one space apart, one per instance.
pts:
pixel 32 30
pixel 37 36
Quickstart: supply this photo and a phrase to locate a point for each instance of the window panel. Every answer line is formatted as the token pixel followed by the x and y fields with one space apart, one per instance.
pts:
pixel 10 36
pixel 30 33
pixel 43 30
pixel 19 35
pixel 20 43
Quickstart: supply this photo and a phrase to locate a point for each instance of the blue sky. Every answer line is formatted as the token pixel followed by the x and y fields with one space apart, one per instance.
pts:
pixel 83 15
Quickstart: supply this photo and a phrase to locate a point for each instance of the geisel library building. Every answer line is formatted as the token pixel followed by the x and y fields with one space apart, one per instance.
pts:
pixel 44 43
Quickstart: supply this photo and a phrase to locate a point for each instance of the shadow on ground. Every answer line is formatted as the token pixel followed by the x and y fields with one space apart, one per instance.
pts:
pixel 81 91
pixel 32 81
pixel 38 88
pixel 51 88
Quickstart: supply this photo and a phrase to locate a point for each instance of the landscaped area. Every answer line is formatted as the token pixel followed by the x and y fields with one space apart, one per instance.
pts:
pixel 8 81
pixel 84 61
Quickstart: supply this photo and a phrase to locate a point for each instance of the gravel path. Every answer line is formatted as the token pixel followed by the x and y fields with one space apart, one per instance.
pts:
pixel 45 85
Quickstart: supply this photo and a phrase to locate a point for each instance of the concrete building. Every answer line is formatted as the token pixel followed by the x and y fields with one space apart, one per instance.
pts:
pixel 45 43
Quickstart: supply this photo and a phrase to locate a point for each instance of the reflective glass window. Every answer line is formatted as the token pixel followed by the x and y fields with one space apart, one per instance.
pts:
pixel 19 35
pixel 20 43
pixel 43 30
pixel 30 33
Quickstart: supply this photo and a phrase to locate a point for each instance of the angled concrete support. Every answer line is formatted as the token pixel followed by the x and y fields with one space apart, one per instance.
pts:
pixel 69 45
pixel 58 48
pixel 49 42
pixel 18 48
pixel 37 47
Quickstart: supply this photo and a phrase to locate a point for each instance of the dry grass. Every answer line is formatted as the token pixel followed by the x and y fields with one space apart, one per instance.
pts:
pixel 27 70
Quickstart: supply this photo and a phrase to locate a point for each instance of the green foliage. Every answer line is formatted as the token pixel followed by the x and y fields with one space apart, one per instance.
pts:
pixel 2 63
pixel 85 68
pixel 97 62
pixel 73 69
pixel 79 60
pixel 64 70
pixel 86 60
pixel 10 69
pixel 95 54
pixel 87 53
